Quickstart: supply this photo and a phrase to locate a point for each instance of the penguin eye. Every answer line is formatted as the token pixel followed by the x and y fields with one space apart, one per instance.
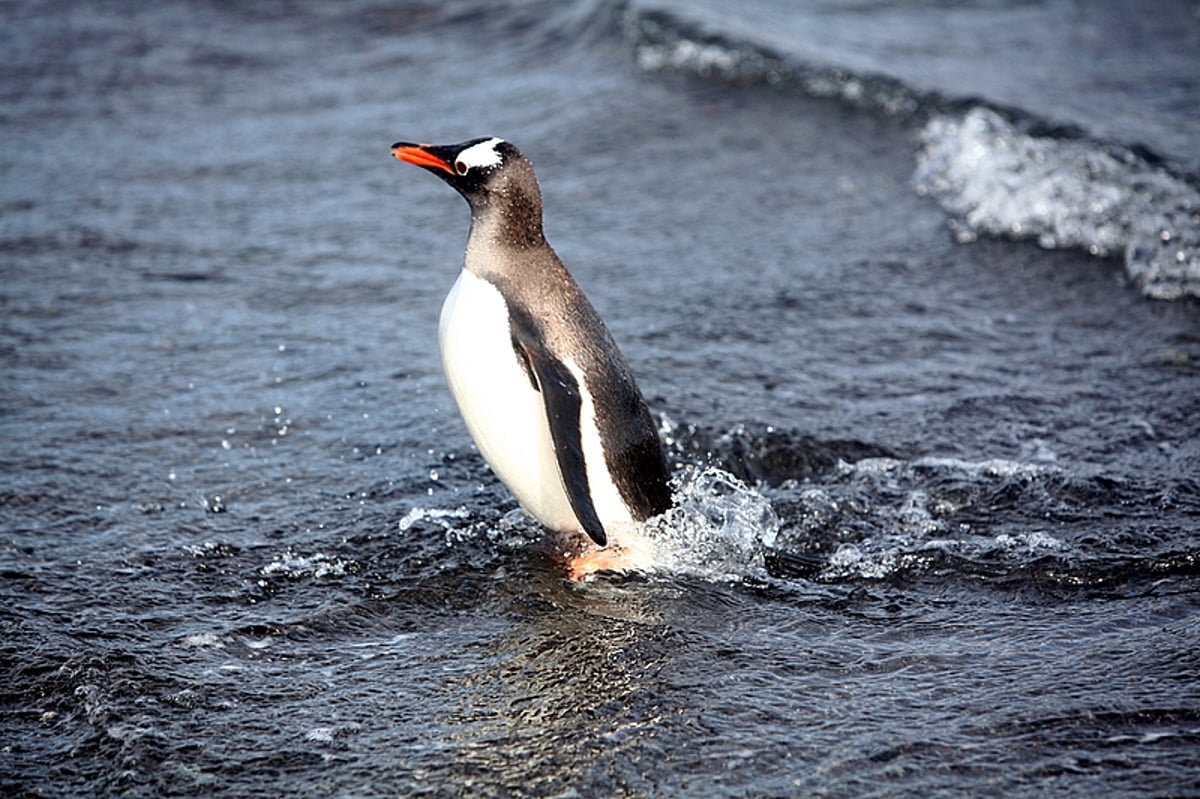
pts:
pixel 460 167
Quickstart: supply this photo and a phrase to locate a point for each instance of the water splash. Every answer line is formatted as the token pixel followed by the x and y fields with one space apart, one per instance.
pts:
pixel 441 516
pixel 718 528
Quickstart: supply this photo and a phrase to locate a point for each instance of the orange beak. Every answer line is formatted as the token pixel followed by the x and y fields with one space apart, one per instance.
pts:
pixel 418 157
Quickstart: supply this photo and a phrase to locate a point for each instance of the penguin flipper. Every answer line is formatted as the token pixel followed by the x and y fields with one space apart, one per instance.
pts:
pixel 562 400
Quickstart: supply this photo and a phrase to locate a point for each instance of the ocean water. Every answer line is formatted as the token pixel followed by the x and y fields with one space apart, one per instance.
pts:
pixel 911 290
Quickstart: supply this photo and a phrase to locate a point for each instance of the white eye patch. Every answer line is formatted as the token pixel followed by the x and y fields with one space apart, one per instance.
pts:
pixel 479 155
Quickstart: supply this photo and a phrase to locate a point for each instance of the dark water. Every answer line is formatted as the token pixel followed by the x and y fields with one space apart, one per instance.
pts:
pixel 247 548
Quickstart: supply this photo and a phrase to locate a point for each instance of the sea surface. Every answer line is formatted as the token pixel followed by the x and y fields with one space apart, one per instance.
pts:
pixel 912 290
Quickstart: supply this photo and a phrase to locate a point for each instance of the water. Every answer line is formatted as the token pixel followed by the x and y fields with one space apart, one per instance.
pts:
pixel 886 286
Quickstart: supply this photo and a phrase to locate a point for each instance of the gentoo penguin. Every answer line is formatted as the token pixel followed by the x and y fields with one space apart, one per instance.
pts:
pixel 539 381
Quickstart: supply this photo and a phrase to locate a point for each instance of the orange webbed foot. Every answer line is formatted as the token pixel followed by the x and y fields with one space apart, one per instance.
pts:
pixel 610 559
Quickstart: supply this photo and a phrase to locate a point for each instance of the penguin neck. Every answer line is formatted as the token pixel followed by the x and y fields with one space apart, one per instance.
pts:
pixel 509 219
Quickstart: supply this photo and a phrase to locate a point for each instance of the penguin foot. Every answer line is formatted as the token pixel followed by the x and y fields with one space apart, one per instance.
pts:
pixel 611 559
pixel 635 553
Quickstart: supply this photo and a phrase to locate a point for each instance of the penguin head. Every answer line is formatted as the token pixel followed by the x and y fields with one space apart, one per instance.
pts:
pixel 474 168
pixel 494 178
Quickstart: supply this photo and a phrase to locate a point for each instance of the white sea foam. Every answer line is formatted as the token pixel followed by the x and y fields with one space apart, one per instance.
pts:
pixel 320 735
pixel 203 641
pixel 318 564
pixel 990 467
pixel 1064 193
pixel 890 511
pixel 1035 542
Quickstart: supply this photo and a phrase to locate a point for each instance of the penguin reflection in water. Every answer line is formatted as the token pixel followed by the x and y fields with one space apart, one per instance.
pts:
pixel 545 393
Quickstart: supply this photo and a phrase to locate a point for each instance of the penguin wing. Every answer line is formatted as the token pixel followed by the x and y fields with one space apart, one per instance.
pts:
pixel 562 400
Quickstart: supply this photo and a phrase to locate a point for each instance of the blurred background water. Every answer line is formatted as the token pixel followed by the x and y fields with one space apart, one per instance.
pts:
pixel 910 288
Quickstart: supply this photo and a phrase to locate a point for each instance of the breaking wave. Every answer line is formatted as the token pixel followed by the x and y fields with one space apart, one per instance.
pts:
pixel 996 170
pixel 997 180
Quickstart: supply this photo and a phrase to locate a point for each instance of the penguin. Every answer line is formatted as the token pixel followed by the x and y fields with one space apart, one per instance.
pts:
pixel 545 393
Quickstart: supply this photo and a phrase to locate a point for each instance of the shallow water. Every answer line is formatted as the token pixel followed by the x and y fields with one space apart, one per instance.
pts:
pixel 248 548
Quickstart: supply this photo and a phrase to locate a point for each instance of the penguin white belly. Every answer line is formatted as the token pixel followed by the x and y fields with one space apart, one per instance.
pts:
pixel 503 412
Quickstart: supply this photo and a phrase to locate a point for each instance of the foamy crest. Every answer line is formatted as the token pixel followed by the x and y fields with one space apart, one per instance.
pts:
pixel 1064 193
pixel 662 42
